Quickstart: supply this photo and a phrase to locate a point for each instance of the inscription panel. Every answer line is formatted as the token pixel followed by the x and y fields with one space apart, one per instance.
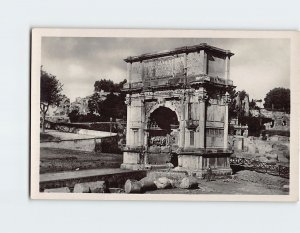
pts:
pixel 163 67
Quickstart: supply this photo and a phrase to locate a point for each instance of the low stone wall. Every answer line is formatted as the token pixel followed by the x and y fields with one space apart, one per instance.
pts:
pixel 76 144
pixel 116 180
pixel 95 133
pixel 105 145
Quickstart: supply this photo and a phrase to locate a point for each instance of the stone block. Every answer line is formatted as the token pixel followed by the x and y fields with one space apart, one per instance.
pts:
pixel 58 190
pixel 263 159
pixel 189 183
pixel 251 148
pixel 148 183
pixel 116 190
pixel 163 183
pixel 91 187
pixel 286 188
pixel 133 186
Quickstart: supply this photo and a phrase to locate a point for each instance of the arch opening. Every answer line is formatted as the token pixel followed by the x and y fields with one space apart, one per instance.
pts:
pixel 163 128
pixel 163 119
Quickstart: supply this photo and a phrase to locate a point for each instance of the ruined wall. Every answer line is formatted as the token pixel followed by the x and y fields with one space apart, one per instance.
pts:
pixel 281 119
pixel 78 144
pixel 275 148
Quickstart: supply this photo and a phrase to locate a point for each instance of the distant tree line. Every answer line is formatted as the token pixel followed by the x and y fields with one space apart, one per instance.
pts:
pixel 101 108
pixel 278 99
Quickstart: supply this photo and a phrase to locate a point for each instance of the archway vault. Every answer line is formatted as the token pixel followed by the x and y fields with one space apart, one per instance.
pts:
pixel 164 118
pixel 168 104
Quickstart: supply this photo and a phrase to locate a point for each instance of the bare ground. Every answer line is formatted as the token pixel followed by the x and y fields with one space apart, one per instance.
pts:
pixel 56 160
pixel 245 182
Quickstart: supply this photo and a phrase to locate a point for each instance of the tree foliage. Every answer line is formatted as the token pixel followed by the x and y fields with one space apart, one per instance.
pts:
pixel 94 103
pixel 50 93
pixel 232 110
pixel 278 99
pixel 113 107
pixel 108 85
pixel 236 109
pixel 252 104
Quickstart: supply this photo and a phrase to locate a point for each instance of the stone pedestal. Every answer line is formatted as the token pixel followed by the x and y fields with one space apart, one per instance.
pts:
pixel 197 164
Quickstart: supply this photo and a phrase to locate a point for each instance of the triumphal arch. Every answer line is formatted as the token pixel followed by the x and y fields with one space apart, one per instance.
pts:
pixel 177 110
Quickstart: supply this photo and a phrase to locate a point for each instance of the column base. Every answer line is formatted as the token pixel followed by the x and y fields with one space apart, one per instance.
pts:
pixel 218 173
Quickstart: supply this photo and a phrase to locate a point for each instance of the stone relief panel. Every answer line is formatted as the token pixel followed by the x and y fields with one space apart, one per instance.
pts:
pixel 215 113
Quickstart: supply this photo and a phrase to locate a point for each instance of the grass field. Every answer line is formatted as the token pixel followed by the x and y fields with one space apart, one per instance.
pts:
pixel 56 160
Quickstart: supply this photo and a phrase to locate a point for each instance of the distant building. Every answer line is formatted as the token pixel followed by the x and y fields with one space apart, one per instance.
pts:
pixel 59 113
pixel 280 120
pixel 80 104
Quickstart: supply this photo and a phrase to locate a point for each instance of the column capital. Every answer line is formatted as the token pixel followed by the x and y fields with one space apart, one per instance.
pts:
pixel 128 100
pixel 203 96
pixel 226 98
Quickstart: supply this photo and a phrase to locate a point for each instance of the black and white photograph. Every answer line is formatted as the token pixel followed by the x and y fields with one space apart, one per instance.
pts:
pixel 157 115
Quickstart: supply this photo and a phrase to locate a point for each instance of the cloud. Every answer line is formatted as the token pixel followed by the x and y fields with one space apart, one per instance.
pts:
pixel 257 66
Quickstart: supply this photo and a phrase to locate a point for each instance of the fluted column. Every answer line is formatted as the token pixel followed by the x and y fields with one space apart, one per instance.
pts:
pixel 128 123
pixel 182 123
pixel 202 98
pixel 226 102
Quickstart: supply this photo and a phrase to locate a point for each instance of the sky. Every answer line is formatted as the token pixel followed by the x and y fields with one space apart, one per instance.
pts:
pixel 258 65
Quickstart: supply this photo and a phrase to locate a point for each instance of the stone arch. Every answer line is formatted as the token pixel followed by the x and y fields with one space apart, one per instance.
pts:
pixel 166 104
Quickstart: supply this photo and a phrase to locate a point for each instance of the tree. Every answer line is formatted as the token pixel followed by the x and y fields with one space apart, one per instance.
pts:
pixel 50 94
pixel 94 103
pixel 104 85
pixel 74 115
pixel 113 107
pixel 278 99
pixel 232 110
pixel 252 104
pixel 108 85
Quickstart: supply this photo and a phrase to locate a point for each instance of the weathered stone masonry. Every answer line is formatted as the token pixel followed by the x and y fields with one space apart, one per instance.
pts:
pixel 177 107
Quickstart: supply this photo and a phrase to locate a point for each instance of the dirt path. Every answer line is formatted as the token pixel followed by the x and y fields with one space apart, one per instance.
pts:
pixel 56 160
